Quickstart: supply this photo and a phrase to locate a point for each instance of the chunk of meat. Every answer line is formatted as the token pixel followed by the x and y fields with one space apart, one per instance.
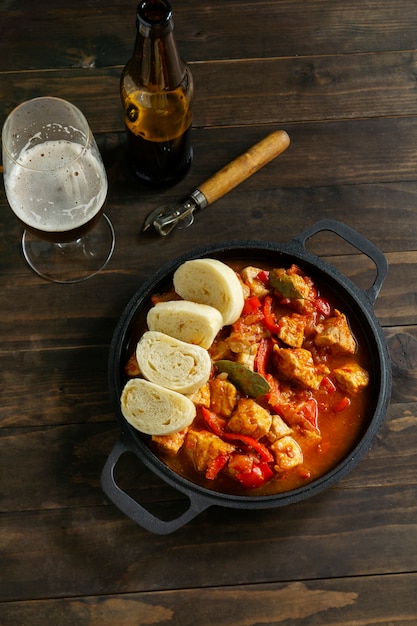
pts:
pixel 246 331
pixel 223 396
pixel 132 367
pixel 247 357
pixel 170 444
pixel 203 448
pixel 220 349
pixel 165 297
pixel 250 418
pixel 292 329
pixel 250 277
pixel 278 429
pixel 334 333
pixel 201 397
pixel 287 453
pixel 351 377
pixel 302 416
pixel 297 365
pixel 293 287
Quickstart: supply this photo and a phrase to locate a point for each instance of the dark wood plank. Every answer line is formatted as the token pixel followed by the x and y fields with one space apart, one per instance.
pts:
pixel 102 34
pixel 336 602
pixel 344 152
pixel 343 532
pixel 384 213
pixel 45 387
pixel 261 91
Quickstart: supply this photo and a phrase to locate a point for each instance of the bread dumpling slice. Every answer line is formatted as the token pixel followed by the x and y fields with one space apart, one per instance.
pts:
pixel 191 322
pixel 171 363
pixel 212 282
pixel 154 410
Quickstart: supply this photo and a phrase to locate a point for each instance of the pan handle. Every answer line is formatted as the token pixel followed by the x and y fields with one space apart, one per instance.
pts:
pixel 358 241
pixel 133 509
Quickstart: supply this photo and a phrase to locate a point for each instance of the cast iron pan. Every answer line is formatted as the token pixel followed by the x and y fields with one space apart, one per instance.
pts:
pixel 356 303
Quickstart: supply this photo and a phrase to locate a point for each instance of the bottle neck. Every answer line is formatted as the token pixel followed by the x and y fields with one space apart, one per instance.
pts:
pixel 155 47
pixel 154 18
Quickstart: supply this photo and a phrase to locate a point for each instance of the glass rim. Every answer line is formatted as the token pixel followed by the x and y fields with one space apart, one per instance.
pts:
pixel 83 147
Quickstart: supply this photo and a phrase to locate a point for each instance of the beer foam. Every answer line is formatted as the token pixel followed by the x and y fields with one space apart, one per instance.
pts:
pixel 56 186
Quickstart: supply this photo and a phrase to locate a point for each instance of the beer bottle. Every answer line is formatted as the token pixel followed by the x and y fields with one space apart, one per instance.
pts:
pixel 156 88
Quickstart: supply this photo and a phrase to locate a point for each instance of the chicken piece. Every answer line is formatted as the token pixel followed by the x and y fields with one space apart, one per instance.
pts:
pixel 302 416
pixel 245 287
pixel 223 395
pixel 291 285
pixel 247 357
pixel 292 329
pixel 287 453
pixel 245 334
pixel 250 277
pixel 132 367
pixel 167 296
pixel 278 429
pixel 201 397
pixel 203 448
pixel 250 418
pixel 334 333
pixel 297 365
pixel 220 349
pixel 170 444
pixel 351 377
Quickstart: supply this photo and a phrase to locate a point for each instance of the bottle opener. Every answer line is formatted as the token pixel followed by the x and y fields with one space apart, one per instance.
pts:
pixel 165 218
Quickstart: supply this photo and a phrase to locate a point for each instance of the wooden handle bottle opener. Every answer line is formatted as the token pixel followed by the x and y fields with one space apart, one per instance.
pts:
pixel 164 219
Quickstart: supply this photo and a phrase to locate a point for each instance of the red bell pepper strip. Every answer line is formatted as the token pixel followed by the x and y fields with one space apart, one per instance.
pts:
pixel 322 306
pixel 262 356
pixel 249 441
pixel 310 411
pixel 328 385
pixel 263 276
pixel 251 305
pixel 259 474
pixel 269 318
pixel 216 465
pixel 217 426
pixel 342 404
pixel 214 422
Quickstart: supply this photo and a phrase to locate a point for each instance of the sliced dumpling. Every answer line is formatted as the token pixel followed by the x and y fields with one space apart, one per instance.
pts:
pixel 171 363
pixel 188 321
pixel 212 282
pixel 154 410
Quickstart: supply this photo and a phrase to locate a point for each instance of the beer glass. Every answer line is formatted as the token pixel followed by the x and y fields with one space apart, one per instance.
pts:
pixel 56 185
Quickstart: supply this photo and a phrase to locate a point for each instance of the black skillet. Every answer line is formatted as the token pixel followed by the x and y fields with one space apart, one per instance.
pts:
pixel 357 304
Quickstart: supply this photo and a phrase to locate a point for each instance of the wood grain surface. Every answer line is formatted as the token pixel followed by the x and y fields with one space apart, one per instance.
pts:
pixel 340 78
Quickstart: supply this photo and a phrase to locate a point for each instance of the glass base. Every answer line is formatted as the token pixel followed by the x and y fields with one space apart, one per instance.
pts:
pixel 71 262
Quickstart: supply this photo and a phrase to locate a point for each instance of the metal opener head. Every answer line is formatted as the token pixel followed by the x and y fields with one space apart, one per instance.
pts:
pixel 165 218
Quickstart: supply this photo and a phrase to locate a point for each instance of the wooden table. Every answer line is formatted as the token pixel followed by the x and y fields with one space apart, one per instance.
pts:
pixel 340 78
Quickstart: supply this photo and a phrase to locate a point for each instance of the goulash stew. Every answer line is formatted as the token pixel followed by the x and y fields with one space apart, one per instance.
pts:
pixel 287 394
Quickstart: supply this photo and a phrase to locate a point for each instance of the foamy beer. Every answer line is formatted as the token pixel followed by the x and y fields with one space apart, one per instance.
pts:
pixel 56 185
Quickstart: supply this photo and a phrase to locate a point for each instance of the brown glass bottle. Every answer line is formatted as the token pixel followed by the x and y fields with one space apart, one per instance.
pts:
pixel 156 88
